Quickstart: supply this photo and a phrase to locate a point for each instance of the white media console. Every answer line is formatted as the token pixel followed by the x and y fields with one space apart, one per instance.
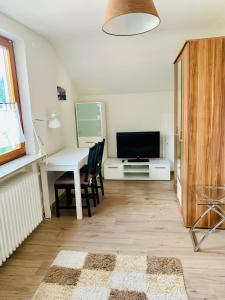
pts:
pixel 119 169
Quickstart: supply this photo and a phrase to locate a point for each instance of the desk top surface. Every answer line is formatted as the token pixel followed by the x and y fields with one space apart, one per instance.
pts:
pixel 68 156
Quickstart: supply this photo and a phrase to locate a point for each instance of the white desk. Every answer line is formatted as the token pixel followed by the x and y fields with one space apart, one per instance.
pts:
pixel 68 159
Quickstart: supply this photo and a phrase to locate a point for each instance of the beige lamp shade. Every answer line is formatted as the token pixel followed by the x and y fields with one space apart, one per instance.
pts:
pixel 130 17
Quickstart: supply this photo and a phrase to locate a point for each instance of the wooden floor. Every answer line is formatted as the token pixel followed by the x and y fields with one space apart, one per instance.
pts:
pixel 133 218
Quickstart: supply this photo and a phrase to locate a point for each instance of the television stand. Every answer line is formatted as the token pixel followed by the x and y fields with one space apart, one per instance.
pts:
pixel 138 160
pixel 121 169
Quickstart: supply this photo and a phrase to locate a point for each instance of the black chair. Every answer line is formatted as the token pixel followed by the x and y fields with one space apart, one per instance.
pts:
pixel 87 181
pixel 97 171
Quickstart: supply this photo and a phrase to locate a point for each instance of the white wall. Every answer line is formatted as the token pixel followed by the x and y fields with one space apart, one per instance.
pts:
pixel 67 108
pixel 139 112
pixel 40 71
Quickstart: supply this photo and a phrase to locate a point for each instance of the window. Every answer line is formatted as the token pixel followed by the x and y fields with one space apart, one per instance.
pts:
pixel 12 141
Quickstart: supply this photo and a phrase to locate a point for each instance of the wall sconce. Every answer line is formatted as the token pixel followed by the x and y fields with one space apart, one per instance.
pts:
pixel 52 123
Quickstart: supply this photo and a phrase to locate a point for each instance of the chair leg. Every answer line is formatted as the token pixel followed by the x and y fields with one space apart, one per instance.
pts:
pixel 68 198
pixel 96 189
pixel 93 193
pixel 57 203
pixel 101 182
pixel 88 202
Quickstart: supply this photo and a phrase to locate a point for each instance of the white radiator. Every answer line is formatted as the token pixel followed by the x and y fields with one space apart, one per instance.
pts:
pixel 20 211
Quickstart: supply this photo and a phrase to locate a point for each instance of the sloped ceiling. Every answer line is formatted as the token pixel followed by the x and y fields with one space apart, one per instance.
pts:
pixel 102 64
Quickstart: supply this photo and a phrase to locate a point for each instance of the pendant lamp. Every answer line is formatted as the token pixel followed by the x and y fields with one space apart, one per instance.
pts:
pixel 130 17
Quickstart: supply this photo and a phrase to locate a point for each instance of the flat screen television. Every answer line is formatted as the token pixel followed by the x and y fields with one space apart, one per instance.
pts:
pixel 138 145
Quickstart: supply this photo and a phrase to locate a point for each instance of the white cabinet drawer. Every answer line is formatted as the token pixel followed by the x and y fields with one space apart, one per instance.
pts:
pixel 160 172
pixel 113 171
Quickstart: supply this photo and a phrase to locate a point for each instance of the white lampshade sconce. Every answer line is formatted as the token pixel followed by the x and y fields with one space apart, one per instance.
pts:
pixel 52 122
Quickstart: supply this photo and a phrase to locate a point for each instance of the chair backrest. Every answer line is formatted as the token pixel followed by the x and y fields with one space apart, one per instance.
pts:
pixel 92 160
pixel 100 154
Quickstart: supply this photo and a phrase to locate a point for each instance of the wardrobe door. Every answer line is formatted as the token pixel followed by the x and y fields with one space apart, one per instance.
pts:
pixel 178 129
pixel 181 129
pixel 185 131
pixel 206 120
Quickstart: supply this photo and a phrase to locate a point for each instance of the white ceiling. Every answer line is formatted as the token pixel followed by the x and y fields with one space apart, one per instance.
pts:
pixel 102 64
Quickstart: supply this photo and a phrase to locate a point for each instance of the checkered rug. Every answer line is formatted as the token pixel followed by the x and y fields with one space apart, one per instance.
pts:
pixel 89 276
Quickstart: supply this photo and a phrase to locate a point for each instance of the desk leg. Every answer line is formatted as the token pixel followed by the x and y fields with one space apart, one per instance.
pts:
pixel 78 194
pixel 46 201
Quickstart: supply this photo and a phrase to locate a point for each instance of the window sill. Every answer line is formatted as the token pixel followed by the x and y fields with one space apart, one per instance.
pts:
pixel 17 164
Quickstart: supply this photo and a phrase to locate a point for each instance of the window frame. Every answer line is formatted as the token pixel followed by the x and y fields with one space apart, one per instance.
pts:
pixel 21 151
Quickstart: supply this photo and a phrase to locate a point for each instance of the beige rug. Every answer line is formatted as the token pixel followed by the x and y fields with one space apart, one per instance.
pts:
pixel 89 276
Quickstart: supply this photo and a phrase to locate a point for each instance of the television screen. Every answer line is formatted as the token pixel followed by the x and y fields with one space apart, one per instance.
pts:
pixel 138 144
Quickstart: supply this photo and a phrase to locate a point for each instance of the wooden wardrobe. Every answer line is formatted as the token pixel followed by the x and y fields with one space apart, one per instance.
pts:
pixel 199 123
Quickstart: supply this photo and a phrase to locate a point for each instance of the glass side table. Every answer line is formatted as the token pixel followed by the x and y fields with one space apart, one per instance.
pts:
pixel 213 197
